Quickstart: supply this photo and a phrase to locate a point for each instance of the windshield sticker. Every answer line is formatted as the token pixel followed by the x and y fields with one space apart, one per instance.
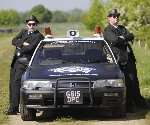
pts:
pixel 53 45
pixel 72 69
pixel 76 75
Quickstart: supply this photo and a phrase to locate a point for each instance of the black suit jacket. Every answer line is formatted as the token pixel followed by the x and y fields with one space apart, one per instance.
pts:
pixel 117 44
pixel 26 51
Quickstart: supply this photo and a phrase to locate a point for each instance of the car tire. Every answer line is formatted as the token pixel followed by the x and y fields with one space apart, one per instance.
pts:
pixel 120 112
pixel 27 114
pixel 123 111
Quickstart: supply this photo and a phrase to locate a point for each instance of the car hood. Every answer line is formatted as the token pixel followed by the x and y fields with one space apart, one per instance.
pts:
pixel 93 71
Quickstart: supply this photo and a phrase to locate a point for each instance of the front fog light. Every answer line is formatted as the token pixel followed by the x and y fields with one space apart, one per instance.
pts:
pixel 111 94
pixel 35 96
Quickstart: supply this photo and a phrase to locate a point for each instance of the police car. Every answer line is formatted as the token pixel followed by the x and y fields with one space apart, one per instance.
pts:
pixel 72 72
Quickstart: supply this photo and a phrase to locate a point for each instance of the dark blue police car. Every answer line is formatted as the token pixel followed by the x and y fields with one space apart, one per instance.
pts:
pixel 72 73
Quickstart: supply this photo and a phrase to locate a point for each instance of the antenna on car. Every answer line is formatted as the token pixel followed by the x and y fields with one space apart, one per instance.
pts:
pixel 48 33
pixel 98 31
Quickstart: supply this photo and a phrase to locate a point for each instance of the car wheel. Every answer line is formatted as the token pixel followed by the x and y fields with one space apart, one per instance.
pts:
pixel 120 112
pixel 27 114
pixel 123 111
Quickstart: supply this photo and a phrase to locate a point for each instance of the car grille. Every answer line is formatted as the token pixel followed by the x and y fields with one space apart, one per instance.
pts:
pixel 73 84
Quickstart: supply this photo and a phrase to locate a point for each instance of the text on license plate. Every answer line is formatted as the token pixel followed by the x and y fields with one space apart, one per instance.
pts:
pixel 73 97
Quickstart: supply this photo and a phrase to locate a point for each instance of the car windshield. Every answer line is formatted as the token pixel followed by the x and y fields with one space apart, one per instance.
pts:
pixel 77 51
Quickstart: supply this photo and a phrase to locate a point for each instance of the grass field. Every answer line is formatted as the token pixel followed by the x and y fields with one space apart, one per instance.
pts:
pixel 6 53
pixel 143 61
pixel 5 58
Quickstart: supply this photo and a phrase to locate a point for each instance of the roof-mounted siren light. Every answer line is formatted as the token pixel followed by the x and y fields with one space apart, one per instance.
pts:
pixel 73 33
pixel 48 33
pixel 98 31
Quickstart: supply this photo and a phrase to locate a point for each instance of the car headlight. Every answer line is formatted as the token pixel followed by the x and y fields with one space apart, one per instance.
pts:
pixel 109 83
pixel 31 84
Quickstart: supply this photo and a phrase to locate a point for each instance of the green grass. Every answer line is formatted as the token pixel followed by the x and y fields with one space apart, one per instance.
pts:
pixel 143 61
pixel 60 29
pixel 143 66
pixel 5 58
pixel 6 53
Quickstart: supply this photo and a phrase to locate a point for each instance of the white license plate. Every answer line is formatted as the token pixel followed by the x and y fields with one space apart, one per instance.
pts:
pixel 73 97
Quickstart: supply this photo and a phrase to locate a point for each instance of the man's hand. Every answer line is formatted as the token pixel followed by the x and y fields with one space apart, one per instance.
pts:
pixel 123 40
pixel 129 37
pixel 18 52
pixel 122 37
pixel 26 44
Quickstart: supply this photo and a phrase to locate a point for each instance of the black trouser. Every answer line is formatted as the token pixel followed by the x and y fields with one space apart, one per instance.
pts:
pixel 11 86
pixel 15 84
pixel 128 83
pixel 132 86
pixel 132 72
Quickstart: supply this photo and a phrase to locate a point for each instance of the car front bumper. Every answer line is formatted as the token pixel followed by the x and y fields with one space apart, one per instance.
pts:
pixel 97 98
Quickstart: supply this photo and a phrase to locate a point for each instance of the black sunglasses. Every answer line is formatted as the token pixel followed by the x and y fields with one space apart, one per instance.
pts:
pixel 33 24
pixel 114 16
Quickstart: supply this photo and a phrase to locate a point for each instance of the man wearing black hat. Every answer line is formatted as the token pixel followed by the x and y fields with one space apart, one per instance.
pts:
pixel 118 38
pixel 25 43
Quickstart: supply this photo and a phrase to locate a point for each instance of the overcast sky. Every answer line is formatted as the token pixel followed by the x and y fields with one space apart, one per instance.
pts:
pixel 24 5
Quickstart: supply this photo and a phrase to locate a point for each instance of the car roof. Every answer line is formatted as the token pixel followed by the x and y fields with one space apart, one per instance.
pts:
pixel 72 39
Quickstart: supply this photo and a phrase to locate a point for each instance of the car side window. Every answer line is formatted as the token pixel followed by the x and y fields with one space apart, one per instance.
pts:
pixel 108 54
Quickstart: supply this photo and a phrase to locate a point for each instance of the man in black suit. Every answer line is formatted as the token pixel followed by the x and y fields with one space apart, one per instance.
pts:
pixel 118 37
pixel 25 43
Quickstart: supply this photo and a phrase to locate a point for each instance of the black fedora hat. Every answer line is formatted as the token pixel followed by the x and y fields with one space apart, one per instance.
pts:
pixel 31 18
pixel 113 12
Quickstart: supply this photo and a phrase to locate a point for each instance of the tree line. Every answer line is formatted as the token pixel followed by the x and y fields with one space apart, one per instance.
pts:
pixel 13 18
pixel 135 15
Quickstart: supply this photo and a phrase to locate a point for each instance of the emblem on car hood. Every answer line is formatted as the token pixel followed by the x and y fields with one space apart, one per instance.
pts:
pixel 72 69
